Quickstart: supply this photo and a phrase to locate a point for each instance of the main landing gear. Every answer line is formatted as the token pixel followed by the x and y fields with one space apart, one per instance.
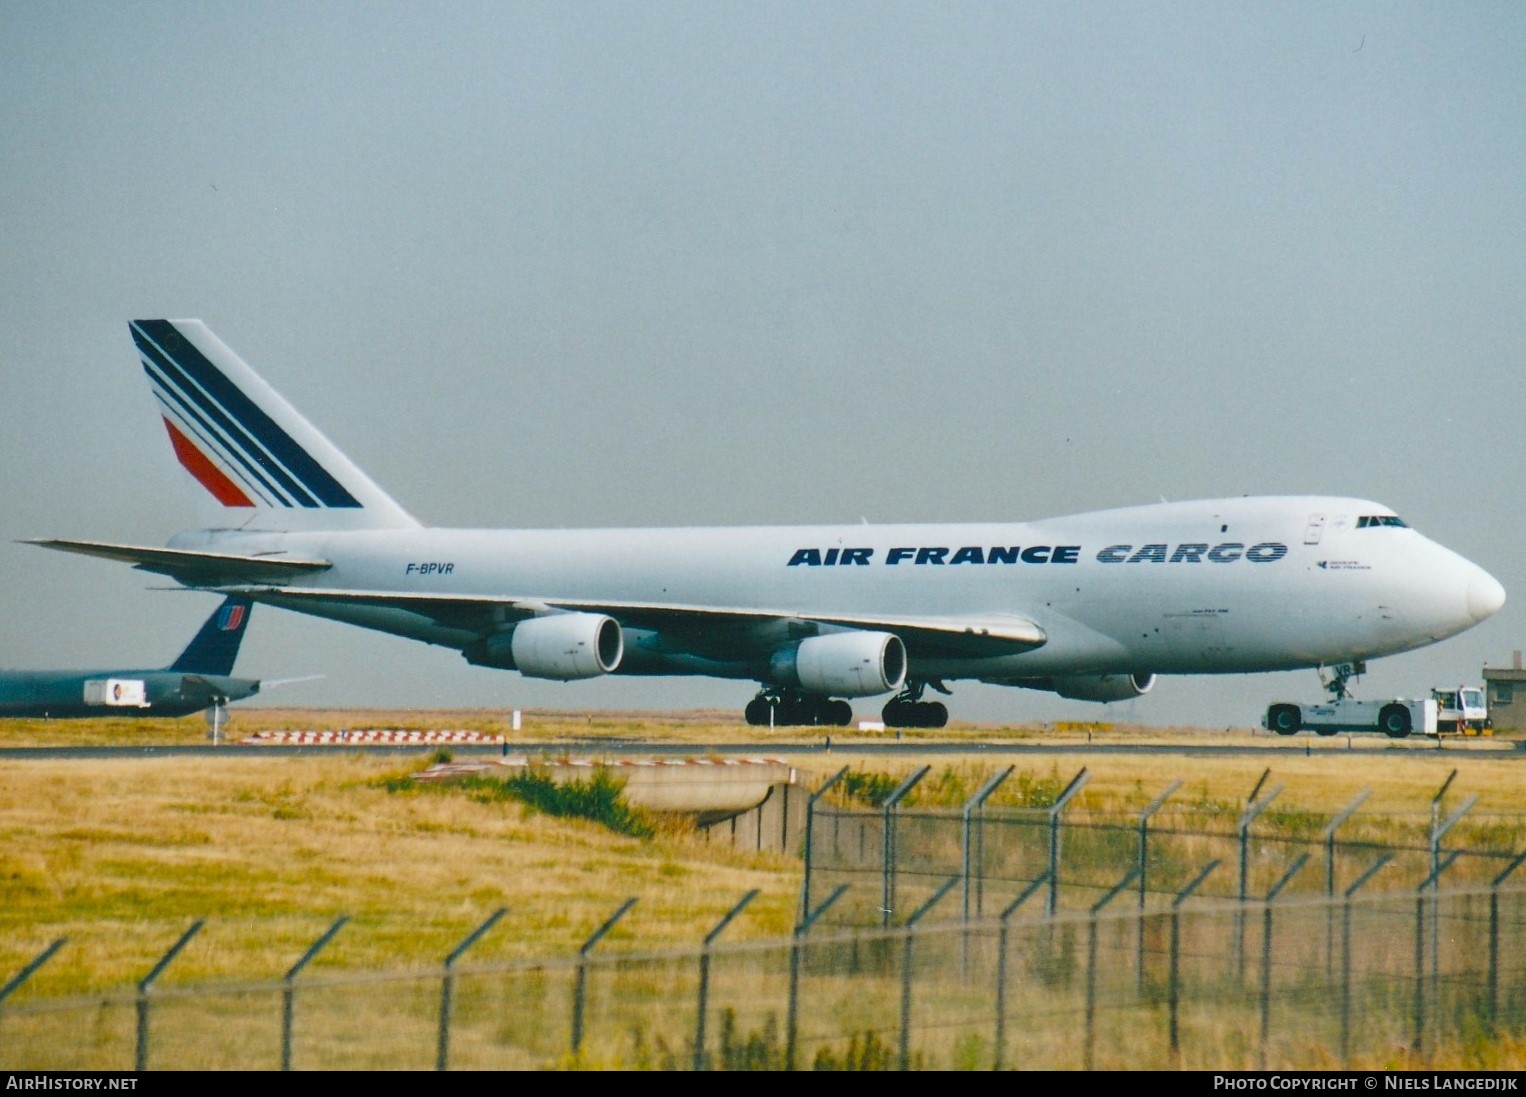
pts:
pixel 791 708
pixel 907 709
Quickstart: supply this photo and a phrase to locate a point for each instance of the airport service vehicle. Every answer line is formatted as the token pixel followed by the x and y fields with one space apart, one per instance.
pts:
pixel 1091 606
pixel 1396 717
pixel 1464 711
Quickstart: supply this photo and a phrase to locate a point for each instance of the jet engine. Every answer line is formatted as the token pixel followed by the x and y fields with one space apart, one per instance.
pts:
pixel 1104 687
pixel 563 646
pixel 1087 687
pixel 843 664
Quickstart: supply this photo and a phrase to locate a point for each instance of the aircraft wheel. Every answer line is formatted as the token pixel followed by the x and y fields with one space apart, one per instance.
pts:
pixel 839 713
pixel 932 714
pixel 896 714
pixel 1394 720
pixel 757 712
pixel 1284 719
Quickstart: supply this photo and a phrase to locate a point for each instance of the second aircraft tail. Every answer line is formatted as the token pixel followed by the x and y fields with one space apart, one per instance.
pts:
pixel 253 452
pixel 214 649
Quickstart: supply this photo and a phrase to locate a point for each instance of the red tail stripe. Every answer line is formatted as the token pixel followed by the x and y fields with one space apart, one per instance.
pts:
pixel 224 490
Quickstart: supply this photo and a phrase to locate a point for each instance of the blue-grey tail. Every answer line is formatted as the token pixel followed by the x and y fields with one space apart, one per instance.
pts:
pixel 215 648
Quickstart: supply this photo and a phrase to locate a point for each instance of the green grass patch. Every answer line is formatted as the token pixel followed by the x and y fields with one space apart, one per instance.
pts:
pixel 599 799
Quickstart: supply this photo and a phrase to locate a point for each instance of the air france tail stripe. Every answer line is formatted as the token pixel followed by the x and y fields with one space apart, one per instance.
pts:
pixel 272 447
pixel 259 495
pixel 229 435
pixel 175 406
pixel 224 490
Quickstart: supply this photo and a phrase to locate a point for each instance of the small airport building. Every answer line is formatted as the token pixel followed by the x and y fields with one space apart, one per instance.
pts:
pixel 1502 685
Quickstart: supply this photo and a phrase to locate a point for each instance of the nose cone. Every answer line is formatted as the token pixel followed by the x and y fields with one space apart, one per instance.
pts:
pixel 1485 595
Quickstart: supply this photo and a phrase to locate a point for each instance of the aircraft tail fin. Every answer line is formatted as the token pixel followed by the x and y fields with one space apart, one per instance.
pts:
pixel 214 649
pixel 252 451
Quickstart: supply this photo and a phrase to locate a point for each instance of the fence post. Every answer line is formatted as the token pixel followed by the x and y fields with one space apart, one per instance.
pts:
pixel 1091 962
pixel 1346 956
pixel 1001 965
pixel 1144 869
pixel 810 833
pixel 581 986
pixel 1494 937
pixel 704 978
pixel 973 865
pixel 1431 882
pixel 447 987
pixel 1266 950
pixel 288 992
pixel 974 843
pixel 911 937
pixel 1438 831
pixel 887 870
pixel 1174 994
pixel 1252 809
pixel 792 1013
pixel 1436 802
pixel 1329 840
pixel 26 973
pixel 141 1063
pixel 1074 787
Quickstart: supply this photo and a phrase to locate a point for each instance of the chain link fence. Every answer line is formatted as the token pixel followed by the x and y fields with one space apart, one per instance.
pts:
pixel 1177 937
pixel 1422 979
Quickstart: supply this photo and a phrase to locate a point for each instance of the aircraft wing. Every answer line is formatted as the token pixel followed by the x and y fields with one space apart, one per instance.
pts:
pixel 197 569
pixel 987 635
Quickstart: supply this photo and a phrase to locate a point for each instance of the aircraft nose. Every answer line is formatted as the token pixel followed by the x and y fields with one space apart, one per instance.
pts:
pixel 1485 595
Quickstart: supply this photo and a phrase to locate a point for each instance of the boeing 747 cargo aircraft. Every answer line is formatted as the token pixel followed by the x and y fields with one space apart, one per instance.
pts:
pixel 1091 606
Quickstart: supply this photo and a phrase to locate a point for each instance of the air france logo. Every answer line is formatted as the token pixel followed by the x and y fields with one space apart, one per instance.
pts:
pixel 1227 552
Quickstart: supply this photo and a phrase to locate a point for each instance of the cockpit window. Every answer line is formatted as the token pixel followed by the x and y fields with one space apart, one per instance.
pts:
pixel 1381 520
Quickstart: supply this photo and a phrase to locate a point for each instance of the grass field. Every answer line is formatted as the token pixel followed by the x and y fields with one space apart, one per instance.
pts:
pixel 119 856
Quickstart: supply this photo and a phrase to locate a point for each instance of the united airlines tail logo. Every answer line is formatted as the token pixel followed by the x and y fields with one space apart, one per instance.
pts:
pixel 224 439
pixel 231 618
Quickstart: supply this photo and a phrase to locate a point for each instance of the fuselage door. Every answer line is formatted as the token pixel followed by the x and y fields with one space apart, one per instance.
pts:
pixel 1315 529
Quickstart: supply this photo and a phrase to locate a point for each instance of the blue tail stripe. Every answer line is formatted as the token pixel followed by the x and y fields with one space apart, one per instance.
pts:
pixel 230 436
pixel 271 438
pixel 214 649
pixel 175 404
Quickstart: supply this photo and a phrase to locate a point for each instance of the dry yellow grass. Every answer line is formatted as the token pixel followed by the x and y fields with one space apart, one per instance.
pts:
pixel 121 855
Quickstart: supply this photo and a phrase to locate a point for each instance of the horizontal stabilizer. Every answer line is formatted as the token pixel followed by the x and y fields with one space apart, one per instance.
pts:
pixel 195 569
pixel 270 682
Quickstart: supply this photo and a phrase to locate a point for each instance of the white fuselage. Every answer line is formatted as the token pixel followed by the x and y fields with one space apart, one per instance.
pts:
pixel 1217 586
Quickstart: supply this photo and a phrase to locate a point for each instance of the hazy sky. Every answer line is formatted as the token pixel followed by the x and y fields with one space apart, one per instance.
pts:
pixel 602 264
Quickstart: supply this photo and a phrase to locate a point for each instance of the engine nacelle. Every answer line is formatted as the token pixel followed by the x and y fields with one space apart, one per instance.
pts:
pixel 844 664
pixel 1087 687
pixel 1104 687
pixel 563 646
